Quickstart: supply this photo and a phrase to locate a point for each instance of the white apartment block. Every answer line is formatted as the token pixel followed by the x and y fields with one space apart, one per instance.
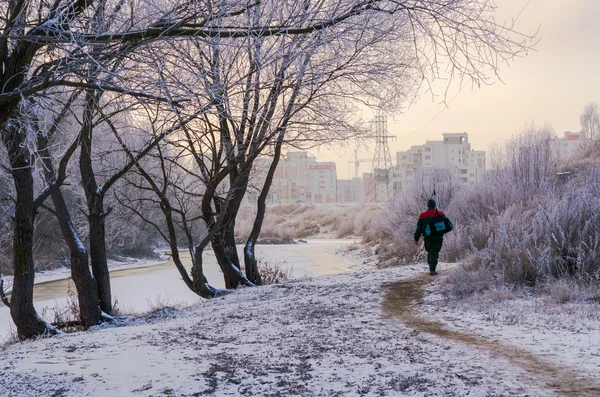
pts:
pixel 301 178
pixel 569 147
pixel 350 190
pixel 452 154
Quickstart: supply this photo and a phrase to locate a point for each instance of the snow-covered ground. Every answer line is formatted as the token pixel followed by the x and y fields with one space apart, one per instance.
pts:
pixel 373 332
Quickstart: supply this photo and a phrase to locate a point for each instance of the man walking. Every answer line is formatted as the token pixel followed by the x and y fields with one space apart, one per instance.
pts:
pixel 433 241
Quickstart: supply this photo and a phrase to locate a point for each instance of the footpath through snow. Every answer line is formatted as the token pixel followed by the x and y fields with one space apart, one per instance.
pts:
pixel 344 335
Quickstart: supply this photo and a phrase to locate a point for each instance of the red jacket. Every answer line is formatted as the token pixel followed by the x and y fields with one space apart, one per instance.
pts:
pixel 430 214
pixel 422 222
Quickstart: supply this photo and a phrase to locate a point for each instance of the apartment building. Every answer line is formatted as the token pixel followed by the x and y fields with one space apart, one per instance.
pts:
pixel 300 178
pixel 568 147
pixel 452 154
pixel 350 191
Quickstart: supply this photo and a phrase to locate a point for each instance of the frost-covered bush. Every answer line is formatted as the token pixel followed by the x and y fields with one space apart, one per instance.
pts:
pixel 274 272
pixel 555 236
pixel 523 225
pixel 400 218
pixel 546 232
pixel 345 227
pixel 467 280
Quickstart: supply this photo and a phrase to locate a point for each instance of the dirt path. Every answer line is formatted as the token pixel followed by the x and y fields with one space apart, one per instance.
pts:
pixel 400 301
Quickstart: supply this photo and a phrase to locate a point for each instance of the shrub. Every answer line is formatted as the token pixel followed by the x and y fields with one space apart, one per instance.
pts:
pixel 523 225
pixel 274 272
pixel 467 280
pixel 66 316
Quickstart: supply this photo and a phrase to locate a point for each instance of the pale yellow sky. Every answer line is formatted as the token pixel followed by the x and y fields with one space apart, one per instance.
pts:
pixel 551 84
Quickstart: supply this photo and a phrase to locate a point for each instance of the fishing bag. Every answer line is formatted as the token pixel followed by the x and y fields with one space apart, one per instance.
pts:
pixel 438 225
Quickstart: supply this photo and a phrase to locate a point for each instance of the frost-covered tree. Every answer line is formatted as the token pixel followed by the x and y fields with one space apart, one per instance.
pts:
pixel 169 180
pixel 46 44
pixel 403 213
pixel 528 160
pixel 590 121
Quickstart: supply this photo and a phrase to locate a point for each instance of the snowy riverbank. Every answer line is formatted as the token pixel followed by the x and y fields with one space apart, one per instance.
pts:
pixel 140 285
pixel 62 273
pixel 163 257
pixel 342 335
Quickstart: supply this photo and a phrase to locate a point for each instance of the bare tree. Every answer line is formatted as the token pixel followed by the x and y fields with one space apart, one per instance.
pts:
pixel 528 159
pixel 164 179
pixel 87 290
pixel 590 121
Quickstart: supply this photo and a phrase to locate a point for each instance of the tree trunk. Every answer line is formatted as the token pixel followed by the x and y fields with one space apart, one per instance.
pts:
pixel 200 283
pixel 250 262
pixel 98 253
pixel 229 240
pixel 233 276
pixel 29 324
pixel 87 289
pixel 231 273
pixel 95 203
pixel 223 242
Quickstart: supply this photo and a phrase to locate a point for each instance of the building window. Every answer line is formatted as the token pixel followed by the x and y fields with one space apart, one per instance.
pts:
pixel 463 172
pixel 428 149
pixel 427 157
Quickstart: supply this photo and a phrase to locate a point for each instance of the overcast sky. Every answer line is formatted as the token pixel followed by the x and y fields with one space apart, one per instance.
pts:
pixel 551 84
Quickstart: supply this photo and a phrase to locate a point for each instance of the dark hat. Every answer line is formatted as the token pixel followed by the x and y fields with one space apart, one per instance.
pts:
pixel 431 204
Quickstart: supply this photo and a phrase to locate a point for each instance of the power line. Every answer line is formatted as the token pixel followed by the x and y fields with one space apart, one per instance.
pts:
pixel 523 9
pixel 436 116
pixel 459 91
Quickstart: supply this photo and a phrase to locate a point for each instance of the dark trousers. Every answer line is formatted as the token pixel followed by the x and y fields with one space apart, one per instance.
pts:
pixel 433 246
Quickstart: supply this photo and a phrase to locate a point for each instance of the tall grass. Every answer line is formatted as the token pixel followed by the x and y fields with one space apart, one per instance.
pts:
pixel 275 272
pixel 295 221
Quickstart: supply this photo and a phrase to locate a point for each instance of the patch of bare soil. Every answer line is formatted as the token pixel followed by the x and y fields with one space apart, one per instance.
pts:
pixel 400 300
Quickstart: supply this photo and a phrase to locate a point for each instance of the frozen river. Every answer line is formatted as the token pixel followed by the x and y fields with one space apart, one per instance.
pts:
pixel 137 290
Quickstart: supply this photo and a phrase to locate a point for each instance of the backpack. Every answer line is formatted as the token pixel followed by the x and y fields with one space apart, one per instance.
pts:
pixel 438 226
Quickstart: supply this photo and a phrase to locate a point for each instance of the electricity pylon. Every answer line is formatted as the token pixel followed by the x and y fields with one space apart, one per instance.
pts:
pixel 381 172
